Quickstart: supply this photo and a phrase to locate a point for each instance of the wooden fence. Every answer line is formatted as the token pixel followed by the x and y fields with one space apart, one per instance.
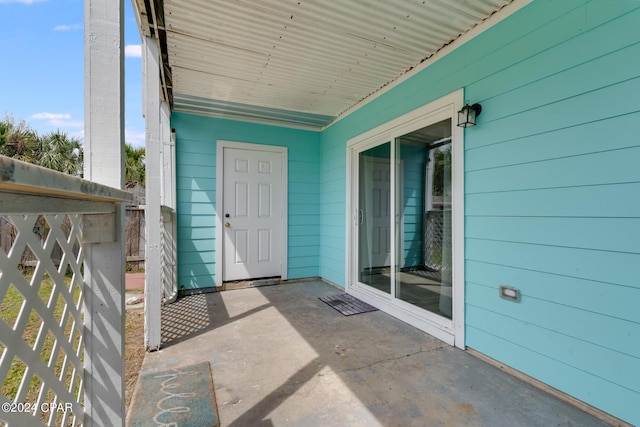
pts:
pixel 135 236
pixel 135 239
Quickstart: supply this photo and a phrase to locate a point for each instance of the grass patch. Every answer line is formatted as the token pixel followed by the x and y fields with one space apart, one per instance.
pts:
pixel 10 310
pixel 134 350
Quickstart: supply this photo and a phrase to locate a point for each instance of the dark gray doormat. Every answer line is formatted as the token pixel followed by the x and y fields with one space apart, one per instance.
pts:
pixel 182 397
pixel 347 304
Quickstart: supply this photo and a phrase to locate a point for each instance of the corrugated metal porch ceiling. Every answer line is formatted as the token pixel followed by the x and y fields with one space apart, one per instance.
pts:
pixel 298 62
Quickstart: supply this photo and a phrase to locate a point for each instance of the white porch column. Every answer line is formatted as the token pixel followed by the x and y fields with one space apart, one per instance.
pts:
pixel 170 259
pixel 153 164
pixel 168 158
pixel 103 163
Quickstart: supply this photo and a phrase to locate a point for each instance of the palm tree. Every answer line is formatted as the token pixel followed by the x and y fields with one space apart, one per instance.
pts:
pixel 18 140
pixel 134 165
pixel 57 151
pixel 54 150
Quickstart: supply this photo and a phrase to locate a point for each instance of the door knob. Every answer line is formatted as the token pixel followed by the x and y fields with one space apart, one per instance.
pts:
pixel 226 224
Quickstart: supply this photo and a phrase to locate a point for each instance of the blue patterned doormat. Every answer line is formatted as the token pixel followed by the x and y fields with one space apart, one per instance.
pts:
pixel 347 304
pixel 182 397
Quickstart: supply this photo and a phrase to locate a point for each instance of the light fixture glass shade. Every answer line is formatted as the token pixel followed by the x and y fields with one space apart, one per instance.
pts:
pixel 467 115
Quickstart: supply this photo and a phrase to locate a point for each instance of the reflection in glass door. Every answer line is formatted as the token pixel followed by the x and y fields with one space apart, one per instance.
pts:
pixel 423 269
pixel 374 217
pixel 405 234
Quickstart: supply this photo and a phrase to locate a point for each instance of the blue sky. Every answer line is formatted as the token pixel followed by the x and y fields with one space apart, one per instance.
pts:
pixel 42 75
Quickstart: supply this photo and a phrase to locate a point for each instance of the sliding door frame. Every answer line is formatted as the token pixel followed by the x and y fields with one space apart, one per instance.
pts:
pixel 449 331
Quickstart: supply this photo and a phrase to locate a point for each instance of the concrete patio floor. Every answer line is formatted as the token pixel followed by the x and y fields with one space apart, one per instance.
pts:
pixel 281 357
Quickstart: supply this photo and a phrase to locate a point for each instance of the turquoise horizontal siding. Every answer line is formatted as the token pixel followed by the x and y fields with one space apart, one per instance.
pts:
pixel 594 233
pixel 599 201
pixel 599 332
pixel 550 206
pixel 616 301
pixel 551 192
pixel 332 196
pixel 558 172
pixel 196 196
pixel 572 141
pixel 564 376
pixel 196 185
pixel 604 266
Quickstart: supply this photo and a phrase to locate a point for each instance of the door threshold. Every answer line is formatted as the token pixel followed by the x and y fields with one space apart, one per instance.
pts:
pixel 251 283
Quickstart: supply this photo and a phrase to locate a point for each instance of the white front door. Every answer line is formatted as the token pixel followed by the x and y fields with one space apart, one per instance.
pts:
pixel 252 213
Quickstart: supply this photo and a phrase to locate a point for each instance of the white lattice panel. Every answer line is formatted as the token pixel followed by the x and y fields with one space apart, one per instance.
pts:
pixel 41 367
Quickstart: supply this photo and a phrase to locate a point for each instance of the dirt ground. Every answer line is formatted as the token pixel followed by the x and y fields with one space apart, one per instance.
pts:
pixel 134 349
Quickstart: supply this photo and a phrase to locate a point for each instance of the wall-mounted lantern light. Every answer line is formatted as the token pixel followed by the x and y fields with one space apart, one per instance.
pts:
pixel 467 115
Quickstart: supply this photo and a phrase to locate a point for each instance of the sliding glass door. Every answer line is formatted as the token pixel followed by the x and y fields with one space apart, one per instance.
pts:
pixel 423 188
pixel 406 230
pixel 374 217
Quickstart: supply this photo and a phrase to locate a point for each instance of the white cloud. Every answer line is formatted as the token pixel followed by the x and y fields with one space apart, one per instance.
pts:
pixel 132 50
pixel 67 27
pixel 59 120
pixel 22 1
pixel 50 116
pixel 66 123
